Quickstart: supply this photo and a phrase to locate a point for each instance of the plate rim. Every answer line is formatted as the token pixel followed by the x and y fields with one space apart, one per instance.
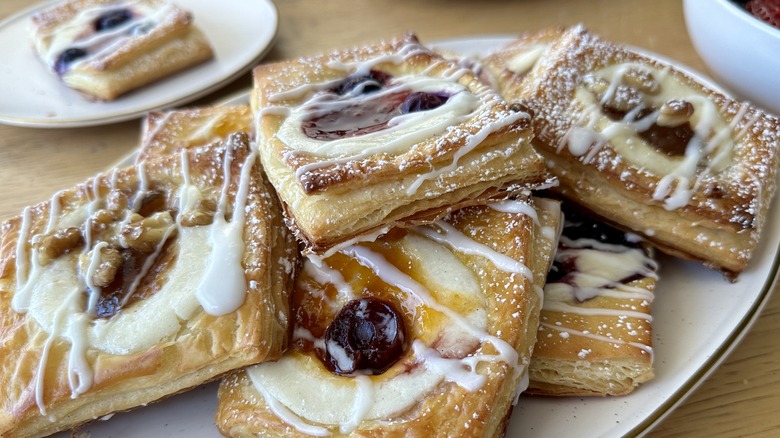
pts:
pixel 78 122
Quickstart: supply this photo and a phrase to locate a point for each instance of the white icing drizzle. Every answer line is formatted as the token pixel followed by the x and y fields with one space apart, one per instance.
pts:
pixel 223 287
pixel 525 60
pixel 289 417
pixel 557 306
pixel 711 144
pixel 451 237
pixel 21 299
pixel 395 277
pixel 143 187
pixel 323 274
pixel 363 402
pixel 73 319
pixel 148 263
pixel 451 368
pixel 79 33
pixel 471 143
pixel 93 291
pixel 646 348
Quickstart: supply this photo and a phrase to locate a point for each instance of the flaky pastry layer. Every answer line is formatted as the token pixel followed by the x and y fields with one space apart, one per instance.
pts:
pixel 164 133
pixel 333 196
pixel 647 146
pixel 162 340
pixel 447 408
pixel 171 44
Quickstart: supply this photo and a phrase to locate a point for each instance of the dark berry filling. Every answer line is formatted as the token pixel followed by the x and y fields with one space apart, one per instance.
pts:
pixel 576 227
pixel 422 101
pixel 112 19
pixel 367 336
pixel 372 113
pixel 671 140
pixel 375 80
pixel 354 120
pixel 67 57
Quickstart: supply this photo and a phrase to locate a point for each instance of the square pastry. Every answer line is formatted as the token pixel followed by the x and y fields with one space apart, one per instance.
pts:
pixel 168 132
pixel 595 331
pixel 357 141
pixel 105 48
pixel 646 145
pixel 426 329
pixel 139 284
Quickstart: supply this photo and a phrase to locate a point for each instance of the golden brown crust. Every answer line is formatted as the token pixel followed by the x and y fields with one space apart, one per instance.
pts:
pixel 447 409
pixel 595 333
pixel 171 45
pixel 490 148
pixel 729 193
pixel 199 346
pixel 164 133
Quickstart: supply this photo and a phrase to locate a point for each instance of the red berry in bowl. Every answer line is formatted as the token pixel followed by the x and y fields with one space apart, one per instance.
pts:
pixel 765 10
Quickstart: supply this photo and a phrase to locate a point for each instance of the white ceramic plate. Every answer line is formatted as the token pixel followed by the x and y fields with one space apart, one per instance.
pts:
pixel 698 318
pixel 240 31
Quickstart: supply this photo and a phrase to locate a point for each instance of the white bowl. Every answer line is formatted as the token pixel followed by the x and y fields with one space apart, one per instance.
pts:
pixel 741 51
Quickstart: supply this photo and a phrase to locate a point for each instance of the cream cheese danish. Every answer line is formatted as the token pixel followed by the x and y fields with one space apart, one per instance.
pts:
pixel 360 140
pixel 425 331
pixel 138 284
pixel 595 330
pixel 645 145
pixel 105 48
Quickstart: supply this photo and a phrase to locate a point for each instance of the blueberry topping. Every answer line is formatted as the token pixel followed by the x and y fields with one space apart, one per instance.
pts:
pixel 362 84
pixel 67 57
pixel 422 101
pixel 367 336
pixel 112 19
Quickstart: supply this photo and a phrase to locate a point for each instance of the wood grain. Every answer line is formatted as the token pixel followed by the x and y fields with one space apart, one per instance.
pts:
pixel 739 399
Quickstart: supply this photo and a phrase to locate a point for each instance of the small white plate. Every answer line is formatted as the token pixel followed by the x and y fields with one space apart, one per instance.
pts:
pixel 240 31
pixel 698 318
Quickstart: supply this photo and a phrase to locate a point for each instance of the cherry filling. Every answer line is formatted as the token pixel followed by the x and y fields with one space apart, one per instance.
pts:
pixel 63 62
pixel 671 140
pixel 372 113
pixel 375 80
pixel 579 227
pixel 366 336
pixel 112 19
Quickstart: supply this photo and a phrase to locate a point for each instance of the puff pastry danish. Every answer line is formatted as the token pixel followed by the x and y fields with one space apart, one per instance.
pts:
pixel 595 332
pixel 139 284
pixel 168 132
pixel 426 331
pixel 414 132
pixel 650 148
pixel 105 48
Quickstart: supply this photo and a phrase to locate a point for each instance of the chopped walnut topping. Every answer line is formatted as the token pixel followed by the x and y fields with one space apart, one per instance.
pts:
pixel 675 113
pixel 106 263
pixel 144 234
pixel 641 80
pixel 201 214
pixel 51 246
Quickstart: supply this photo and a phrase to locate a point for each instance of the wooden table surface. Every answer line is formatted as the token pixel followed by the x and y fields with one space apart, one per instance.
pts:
pixel 740 398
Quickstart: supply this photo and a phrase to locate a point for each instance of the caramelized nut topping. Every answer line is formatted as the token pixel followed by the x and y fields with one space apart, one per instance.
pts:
pixel 642 81
pixel 144 234
pixel 202 214
pixel 51 246
pixel 108 262
pixel 674 113
pixel 153 202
